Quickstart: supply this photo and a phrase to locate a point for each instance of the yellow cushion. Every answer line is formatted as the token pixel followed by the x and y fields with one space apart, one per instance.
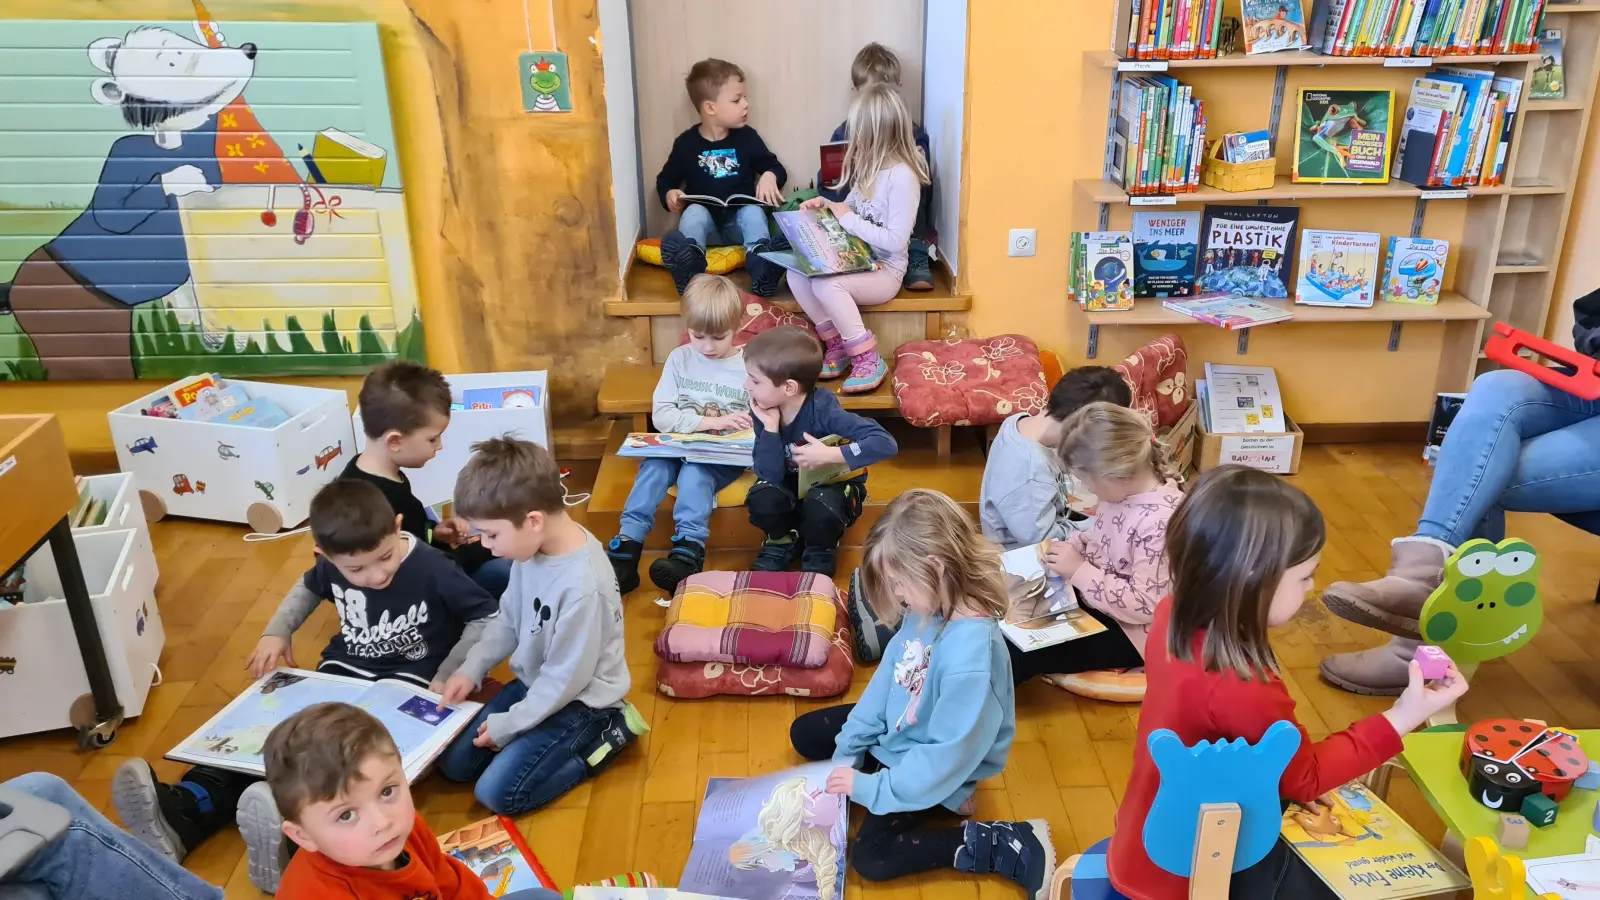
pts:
pixel 1115 685
pixel 719 260
pixel 733 494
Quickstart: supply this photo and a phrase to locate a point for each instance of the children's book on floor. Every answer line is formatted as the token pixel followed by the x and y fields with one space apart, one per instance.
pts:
pixel 1245 251
pixel 1363 850
pixel 1342 135
pixel 777 835
pixel 1229 312
pixel 831 473
pixel 1243 400
pixel 1044 608
pixel 1414 270
pixel 733 449
pixel 233 738
pixel 1272 25
pixel 1166 249
pixel 1549 79
pixel 820 245
pixel 494 850
pixel 1102 270
pixel 1337 268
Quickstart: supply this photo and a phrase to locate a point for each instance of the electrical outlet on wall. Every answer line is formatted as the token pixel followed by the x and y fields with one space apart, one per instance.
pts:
pixel 1022 241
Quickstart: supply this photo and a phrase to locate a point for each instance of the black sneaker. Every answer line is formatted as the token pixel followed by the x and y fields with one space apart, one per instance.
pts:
pixel 821 560
pixel 683 258
pixel 764 274
pixel 919 272
pixel 168 819
pixel 626 725
pixel 624 554
pixel 686 558
pixel 871 634
pixel 1021 851
pixel 777 553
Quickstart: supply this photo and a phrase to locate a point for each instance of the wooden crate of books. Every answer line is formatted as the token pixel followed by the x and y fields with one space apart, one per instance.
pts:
pixel 1234 177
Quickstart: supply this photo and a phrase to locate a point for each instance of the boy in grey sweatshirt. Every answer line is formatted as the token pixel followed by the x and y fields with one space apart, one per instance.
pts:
pixel 1026 495
pixel 560 624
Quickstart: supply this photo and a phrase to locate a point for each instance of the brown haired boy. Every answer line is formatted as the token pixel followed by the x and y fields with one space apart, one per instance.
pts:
pixel 701 389
pixel 720 157
pixel 792 416
pixel 560 623
pixel 335 774
pixel 406 612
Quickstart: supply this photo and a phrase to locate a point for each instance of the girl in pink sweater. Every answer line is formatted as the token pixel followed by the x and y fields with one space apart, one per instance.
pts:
pixel 1118 565
pixel 885 172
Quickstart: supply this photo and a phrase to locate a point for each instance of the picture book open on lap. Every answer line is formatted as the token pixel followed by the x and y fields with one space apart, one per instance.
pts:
pixel 494 850
pixel 778 835
pixel 701 447
pixel 820 244
pixel 1362 850
pixel 1044 608
pixel 233 738
pixel 731 200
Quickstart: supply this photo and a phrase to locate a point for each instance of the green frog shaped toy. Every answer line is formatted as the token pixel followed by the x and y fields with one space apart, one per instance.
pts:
pixel 1488 605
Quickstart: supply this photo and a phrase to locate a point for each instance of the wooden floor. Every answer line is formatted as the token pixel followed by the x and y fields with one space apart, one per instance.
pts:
pixel 1069 764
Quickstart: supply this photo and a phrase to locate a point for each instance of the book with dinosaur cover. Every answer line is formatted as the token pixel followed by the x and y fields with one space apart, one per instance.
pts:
pixel 1414 270
pixel 1342 135
pixel 1363 850
pixel 1272 25
pixel 494 850
pixel 1246 250
pixel 1101 270
pixel 1337 268
pixel 1166 247
pixel 1549 78
pixel 777 835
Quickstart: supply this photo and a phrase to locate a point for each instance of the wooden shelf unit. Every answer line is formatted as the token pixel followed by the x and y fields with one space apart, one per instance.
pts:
pixel 1506 259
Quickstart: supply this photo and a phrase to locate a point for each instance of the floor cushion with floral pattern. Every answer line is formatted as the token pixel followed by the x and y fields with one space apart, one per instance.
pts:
pixel 1158 375
pixel 968 381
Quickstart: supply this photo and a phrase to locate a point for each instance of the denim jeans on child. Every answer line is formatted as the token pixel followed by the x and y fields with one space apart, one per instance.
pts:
pixel 536 767
pixel 493 576
pixel 1517 445
pixel 716 227
pixel 697 497
pixel 94 859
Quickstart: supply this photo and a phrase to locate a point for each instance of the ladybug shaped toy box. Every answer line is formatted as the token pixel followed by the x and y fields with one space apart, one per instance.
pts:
pixel 1505 761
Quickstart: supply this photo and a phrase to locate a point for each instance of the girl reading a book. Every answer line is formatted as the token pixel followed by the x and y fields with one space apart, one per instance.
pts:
pixel 1243 549
pixel 886 173
pixel 938 716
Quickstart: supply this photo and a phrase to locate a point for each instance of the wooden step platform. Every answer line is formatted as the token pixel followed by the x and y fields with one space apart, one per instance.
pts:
pixel 649 292
pixel 918 464
pixel 626 390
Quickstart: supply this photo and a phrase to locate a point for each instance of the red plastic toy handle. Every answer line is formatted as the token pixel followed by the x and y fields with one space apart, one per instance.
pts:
pixel 1506 341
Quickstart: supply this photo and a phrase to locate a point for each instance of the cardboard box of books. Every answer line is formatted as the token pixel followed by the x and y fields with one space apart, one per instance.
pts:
pixel 486 405
pixel 1279 453
pixel 44 673
pixel 233 451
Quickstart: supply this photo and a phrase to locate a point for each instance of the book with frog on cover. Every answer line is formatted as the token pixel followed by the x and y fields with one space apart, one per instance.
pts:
pixel 1362 850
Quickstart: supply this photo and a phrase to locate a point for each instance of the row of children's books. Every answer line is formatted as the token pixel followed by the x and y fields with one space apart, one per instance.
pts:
pixel 1458 128
pixel 1160 136
pixel 1425 27
pixel 1175 29
pixel 212 398
pixel 1245 251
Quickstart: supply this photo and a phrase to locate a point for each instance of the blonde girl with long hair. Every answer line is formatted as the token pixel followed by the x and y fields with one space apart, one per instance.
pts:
pixel 938 715
pixel 1117 566
pixel 885 172
pixel 788 832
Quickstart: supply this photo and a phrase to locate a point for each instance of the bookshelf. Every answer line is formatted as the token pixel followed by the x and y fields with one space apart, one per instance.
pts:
pixel 1505 240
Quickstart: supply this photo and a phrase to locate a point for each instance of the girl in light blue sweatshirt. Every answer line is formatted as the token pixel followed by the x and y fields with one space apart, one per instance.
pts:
pixel 938 716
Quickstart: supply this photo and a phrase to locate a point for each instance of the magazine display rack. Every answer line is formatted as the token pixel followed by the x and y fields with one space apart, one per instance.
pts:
pixel 1505 258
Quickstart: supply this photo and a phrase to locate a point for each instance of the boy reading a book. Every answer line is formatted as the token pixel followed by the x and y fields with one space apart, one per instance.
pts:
pixel 405 611
pixel 336 774
pixel 877 64
pixel 720 157
pixel 701 389
pixel 1027 495
pixel 405 407
pixel 792 419
pixel 566 714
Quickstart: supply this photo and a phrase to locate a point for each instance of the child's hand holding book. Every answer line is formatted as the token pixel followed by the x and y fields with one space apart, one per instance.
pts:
pixel 458 688
pixel 767 189
pixel 725 424
pixel 819 202
pixel 270 653
pixel 815 454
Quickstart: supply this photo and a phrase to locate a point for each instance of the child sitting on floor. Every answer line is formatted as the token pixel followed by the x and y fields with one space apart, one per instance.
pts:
pixel 1027 495
pixel 566 714
pixel 938 715
pixel 701 389
pixel 720 157
pixel 792 417
pixel 372 571
pixel 885 172
pixel 1244 548
pixel 1116 565
pixel 335 773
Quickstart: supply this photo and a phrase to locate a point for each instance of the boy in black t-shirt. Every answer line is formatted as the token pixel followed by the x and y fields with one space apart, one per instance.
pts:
pixel 720 157
pixel 406 611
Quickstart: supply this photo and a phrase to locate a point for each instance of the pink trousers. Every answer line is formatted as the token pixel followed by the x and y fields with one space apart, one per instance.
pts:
pixel 833 302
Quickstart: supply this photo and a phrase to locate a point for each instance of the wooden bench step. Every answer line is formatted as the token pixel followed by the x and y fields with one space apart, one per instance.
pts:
pixel 626 390
pixel 649 292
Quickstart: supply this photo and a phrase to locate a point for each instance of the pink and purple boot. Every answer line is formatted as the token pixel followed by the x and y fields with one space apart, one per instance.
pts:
pixel 867 368
pixel 834 356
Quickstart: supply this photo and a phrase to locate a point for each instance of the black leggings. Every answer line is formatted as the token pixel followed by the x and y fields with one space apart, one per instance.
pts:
pixel 888 846
pixel 1109 649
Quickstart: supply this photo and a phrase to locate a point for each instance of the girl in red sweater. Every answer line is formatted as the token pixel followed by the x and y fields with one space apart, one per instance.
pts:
pixel 1243 548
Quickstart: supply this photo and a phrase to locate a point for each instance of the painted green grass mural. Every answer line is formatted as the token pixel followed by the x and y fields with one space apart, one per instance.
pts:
pixel 164 347
pixel 18 360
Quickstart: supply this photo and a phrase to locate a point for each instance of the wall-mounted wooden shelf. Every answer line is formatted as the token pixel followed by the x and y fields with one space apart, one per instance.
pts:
pixel 1105 59
pixel 1101 190
pixel 1451 308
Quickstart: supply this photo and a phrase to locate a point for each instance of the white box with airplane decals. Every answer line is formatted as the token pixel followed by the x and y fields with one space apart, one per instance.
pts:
pixel 263 477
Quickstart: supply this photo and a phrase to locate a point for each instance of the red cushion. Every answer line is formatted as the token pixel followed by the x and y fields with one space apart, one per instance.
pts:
pixel 761 315
pixel 973 381
pixel 1158 375
pixel 693 680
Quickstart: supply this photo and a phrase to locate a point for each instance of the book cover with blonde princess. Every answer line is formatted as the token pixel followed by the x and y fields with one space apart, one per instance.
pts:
pixel 773 837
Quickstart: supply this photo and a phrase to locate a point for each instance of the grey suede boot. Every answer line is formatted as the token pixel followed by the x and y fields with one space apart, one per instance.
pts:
pixel 1393 603
pixel 1379 671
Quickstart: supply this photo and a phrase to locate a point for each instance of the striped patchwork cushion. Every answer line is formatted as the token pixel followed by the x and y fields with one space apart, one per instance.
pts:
pixel 751 618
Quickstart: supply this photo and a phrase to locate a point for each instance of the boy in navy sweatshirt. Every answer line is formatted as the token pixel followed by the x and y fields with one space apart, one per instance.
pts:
pixel 792 417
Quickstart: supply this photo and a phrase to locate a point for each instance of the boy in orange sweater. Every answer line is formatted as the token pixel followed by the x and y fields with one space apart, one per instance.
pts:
pixel 336 776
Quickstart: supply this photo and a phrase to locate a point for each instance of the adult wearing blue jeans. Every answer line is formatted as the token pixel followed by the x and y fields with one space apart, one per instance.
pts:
pixel 1517 445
